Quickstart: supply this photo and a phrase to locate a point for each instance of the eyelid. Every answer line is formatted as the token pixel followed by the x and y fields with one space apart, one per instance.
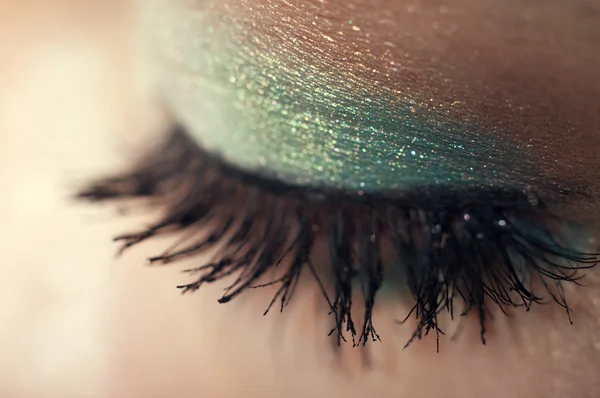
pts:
pixel 307 123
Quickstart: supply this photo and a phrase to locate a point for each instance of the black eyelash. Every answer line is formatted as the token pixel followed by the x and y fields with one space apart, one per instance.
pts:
pixel 479 251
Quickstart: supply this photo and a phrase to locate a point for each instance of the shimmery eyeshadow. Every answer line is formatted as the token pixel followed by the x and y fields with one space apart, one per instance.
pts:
pixel 266 105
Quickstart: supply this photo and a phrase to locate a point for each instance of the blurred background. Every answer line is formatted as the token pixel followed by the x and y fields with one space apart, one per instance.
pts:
pixel 72 100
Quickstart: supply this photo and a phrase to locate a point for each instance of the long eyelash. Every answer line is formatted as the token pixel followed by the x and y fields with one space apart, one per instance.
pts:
pixel 478 252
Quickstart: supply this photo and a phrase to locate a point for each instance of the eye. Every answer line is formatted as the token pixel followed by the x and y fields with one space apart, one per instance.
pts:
pixel 286 141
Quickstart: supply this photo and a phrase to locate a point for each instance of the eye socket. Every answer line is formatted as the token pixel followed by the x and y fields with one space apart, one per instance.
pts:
pixel 455 253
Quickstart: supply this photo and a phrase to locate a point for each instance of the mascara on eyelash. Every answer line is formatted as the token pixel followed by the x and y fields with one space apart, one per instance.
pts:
pixel 475 252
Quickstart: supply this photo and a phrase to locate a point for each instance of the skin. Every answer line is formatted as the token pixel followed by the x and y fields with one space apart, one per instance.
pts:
pixel 80 323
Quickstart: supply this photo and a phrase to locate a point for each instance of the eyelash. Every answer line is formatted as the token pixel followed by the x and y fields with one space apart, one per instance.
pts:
pixel 478 250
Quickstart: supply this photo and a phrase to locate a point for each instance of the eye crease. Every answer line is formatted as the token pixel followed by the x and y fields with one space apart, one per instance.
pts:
pixel 414 183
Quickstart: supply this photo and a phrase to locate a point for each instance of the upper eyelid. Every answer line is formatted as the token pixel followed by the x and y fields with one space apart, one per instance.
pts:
pixel 270 88
pixel 526 167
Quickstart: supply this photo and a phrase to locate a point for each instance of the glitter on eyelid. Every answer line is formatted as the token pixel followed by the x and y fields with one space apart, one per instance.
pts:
pixel 279 103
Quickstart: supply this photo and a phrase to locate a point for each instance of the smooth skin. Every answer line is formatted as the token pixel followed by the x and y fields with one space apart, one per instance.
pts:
pixel 76 322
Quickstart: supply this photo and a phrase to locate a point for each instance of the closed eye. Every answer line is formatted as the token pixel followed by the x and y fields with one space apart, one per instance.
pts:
pixel 427 149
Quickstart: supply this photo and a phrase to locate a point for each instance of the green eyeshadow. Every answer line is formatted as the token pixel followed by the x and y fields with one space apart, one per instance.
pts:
pixel 269 108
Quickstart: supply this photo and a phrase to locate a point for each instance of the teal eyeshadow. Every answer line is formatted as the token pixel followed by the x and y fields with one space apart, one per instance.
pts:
pixel 310 126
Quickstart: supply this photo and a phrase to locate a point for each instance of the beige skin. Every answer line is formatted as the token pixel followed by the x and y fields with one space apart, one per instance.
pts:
pixel 74 322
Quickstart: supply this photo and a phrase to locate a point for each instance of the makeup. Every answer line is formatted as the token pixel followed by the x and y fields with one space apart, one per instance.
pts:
pixel 264 103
